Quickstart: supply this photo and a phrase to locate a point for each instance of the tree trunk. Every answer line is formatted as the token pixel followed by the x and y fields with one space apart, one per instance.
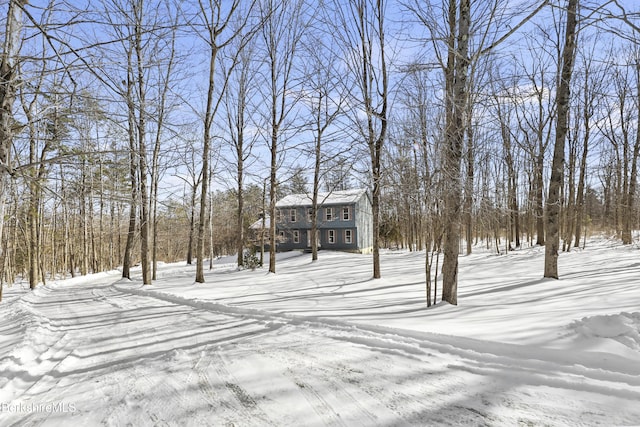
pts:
pixel 131 230
pixel 204 190
pixel 133 168
pixel 240 218
pixel 581 187
pixel 627 237
pixel 539 198
pixel 8 79
pixel 587 112
pixel 468 189
pixel 192 223
pixel 457 104
pixel 570 204
pixel 316 188
pixel 206 148
pixel 142 146
pixel 557 167
pixel 272 187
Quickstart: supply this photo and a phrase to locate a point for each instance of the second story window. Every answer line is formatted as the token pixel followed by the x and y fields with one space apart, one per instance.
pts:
pixel 293 215
pixel 329 214
pixel 310 215
pixel 346 213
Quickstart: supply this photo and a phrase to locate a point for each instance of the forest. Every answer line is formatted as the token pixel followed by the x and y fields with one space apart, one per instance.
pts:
pixel 134 132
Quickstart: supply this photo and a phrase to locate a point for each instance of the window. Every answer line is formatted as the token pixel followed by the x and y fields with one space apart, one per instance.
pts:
pixel 348 236
pixel 279 216
pixel 281 237
pixel 310 215
pixel 329 214
pixel 296 236
pixel 331 236
pixel 293 215
pixel 346 213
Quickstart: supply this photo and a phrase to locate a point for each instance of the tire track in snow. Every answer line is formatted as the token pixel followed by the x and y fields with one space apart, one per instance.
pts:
pixel 421 343
pixel 319 404
pixel 212 393
pixel 331 376
pixel 403 386
pixel 246 405
pixel 535 366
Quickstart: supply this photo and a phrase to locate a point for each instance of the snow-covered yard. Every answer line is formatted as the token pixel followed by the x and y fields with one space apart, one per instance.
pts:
pixel 323 344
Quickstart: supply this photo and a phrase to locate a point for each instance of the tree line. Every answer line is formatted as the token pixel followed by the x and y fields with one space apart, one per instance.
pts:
pixel 146 131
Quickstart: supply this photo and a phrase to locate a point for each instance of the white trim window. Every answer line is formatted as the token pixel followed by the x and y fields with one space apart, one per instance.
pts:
pixel 348 236
pixel 282 238
pixel 293 215
pixel 296 236
pixel 331 236
pixel 310 215
pixel 329 214
pixel 346 213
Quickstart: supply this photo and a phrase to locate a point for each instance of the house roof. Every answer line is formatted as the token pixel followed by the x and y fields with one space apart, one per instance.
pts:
pixel 258 224
pixel 333 198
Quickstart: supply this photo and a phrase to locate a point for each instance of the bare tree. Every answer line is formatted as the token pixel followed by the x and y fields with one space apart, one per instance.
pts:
pixel 165 77
pixel 456 73
pixel 8 81
pixel 552 208
pixel 618 129
pixel 215 19
pixel 237 104
pixel 192 179
pixel 457 49
pixel 503 113
pixel 283 26
pixel 325 96
pixel 138 74
pixel 535 115
pixel 592 82
pixel 362 32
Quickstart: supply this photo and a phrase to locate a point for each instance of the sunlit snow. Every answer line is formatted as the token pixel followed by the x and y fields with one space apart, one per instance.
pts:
pixel 322 344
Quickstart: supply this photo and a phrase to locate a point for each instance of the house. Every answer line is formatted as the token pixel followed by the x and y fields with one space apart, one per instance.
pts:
pixel 344 221
pixel 259 231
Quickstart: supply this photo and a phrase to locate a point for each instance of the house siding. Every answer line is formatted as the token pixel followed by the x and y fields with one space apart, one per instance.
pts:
pixel 358 223
pixel 364 223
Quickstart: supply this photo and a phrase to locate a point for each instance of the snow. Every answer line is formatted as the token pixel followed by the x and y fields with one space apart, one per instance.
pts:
pixel 341 197
pixel 323 344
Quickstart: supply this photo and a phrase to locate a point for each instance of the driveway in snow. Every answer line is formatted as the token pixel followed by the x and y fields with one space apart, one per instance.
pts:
pixel 96 351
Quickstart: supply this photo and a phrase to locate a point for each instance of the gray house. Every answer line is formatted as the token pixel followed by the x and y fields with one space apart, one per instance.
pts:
pixel 344 220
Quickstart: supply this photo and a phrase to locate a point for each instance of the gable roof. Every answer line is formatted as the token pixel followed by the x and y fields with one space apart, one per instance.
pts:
pixel 257 225
pixel 334 198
